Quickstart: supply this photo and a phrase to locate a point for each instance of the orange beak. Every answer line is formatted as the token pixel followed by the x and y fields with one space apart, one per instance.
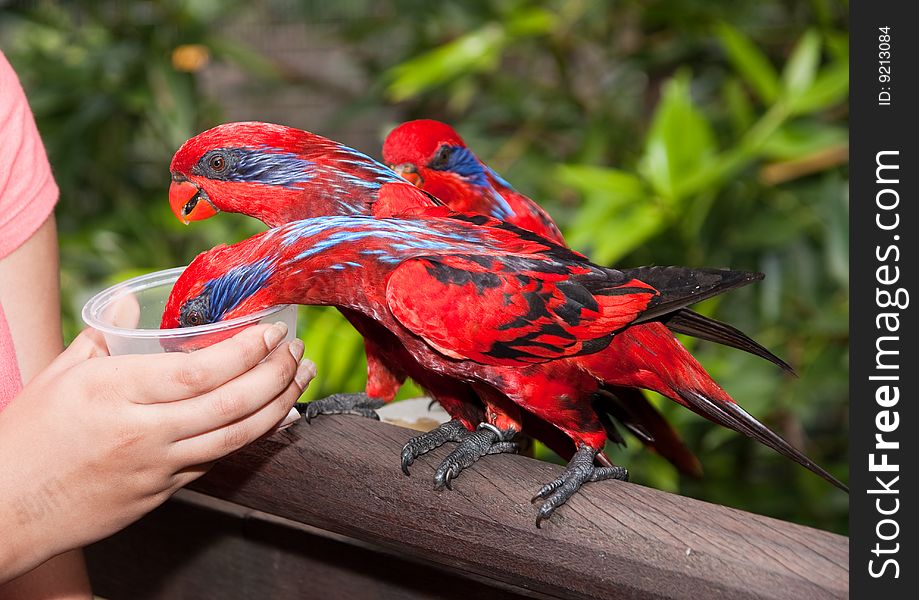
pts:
pixel 185 199
pixel 408 172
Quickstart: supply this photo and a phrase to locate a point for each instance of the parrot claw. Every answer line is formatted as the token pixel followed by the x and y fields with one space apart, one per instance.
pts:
pixel 342 404
pixel 487 439
pixel 580 470
pixel 451 431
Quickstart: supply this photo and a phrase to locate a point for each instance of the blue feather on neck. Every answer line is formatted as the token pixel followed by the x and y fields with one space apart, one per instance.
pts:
pixel 273 168
pixel 464 163
pixel 230 289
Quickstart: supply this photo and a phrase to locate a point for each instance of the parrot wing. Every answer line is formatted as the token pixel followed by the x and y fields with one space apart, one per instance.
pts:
pixel 513 309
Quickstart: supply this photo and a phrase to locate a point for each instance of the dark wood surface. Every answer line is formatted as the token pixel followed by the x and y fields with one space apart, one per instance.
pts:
pixel 612 540
pixel 198 548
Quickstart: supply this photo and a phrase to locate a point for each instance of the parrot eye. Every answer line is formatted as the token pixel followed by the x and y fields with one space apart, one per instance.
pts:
pixel 194 312
pixel 194 318
pixel 442 159
pixel 217 163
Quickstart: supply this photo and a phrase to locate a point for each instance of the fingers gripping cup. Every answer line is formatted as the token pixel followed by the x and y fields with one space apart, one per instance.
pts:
pixel 128 315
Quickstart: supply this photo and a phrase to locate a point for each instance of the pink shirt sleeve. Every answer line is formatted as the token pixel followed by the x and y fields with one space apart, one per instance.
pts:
pixel 27 196
pixel 27 189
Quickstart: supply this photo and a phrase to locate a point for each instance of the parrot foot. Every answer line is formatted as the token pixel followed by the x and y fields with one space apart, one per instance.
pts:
pixel 580 470
pixel 451 431
pixel 342 404
pixel 485 440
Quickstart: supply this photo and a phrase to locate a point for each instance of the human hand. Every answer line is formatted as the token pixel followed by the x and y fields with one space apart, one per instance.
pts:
pixel 95 441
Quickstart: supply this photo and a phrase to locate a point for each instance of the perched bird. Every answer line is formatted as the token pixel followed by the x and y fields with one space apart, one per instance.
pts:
pixel 277 174
pixel 526 323
pixel 433 156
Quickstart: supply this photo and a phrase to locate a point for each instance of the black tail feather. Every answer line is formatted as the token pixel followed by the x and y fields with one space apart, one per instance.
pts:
pixel 681 286
pixel 612 431
pixel 730 414
pixel 630 408
pixel 692 323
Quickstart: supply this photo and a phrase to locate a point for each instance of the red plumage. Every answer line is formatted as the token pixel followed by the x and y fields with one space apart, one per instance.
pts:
pixel 329 170
pixel 279 174
pixel 433 156
pixel 526 336
pixel 375 267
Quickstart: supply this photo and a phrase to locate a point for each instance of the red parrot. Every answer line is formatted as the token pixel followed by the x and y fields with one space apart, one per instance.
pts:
pixel 433 156
pixel 526 323
pixel 278 174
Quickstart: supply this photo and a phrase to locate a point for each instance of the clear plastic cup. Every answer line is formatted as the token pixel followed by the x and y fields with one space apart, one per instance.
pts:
pixel 128 315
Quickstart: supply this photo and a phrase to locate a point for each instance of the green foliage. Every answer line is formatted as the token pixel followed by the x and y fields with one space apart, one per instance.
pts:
pixel 674 132
pixel 750 63
pixel 474 52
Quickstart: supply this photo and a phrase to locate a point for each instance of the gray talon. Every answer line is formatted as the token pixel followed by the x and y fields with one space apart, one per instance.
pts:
pixel 451 431
pixel 476 444
pixel 342 404
pixel 580 470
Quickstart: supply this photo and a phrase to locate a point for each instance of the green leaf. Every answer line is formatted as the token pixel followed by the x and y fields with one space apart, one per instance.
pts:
pixel 617 187
pixel 618 213
pixel 750 62
pixel 627 232
pixel 799 72
pixel 770 230
pixel 834 212
pixel 536 21
pixel 474 52
pixel 680 141
pixel 739 108
pixel 803 138
pixel 837 44
pixel 337 350
pixel 829 88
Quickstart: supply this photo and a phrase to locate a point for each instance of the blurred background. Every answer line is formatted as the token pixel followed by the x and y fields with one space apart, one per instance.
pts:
pixel 691 132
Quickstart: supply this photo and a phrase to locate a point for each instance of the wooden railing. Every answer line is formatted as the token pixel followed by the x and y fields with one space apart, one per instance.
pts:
pixel 323 511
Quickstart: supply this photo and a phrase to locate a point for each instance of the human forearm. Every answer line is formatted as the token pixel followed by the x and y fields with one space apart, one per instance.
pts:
pixel 60 578
pixel 29 291
pixel 27 510
pixel 30 295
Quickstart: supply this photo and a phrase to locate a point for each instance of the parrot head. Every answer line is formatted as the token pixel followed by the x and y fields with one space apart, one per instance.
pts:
pixel 274 173
pixel 247 167
pixel 217 286
pixel 431 155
